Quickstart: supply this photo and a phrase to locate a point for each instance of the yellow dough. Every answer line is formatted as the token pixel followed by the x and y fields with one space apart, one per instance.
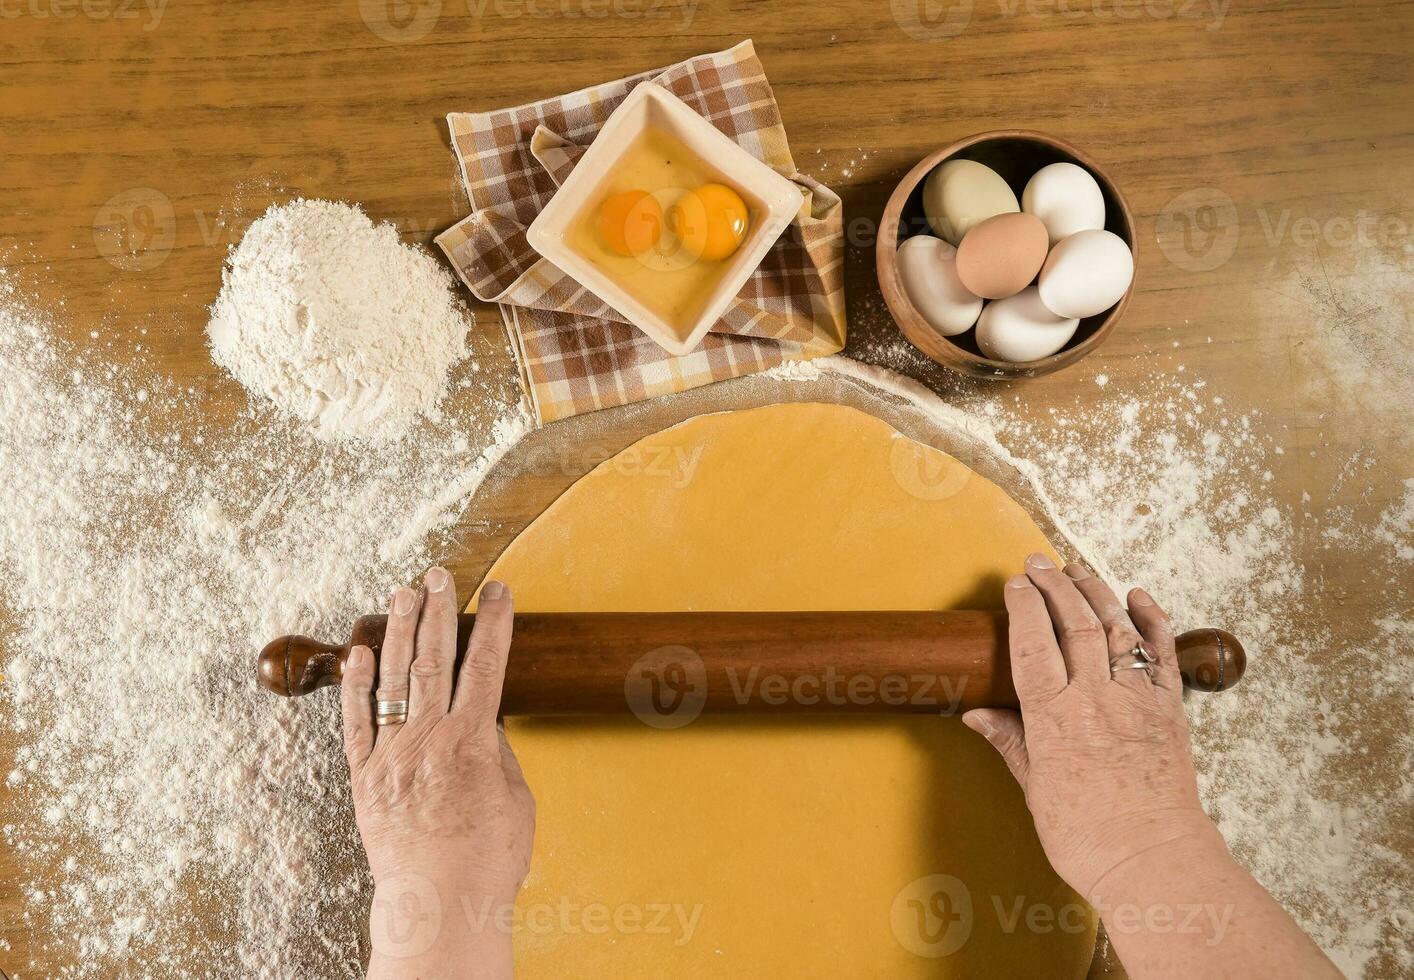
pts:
pixel 780 847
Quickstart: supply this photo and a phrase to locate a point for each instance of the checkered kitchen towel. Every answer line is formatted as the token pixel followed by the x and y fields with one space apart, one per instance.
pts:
pixel 575 353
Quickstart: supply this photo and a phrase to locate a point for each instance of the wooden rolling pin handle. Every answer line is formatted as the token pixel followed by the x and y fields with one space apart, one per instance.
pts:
pixel 565 663
pixel 1210 660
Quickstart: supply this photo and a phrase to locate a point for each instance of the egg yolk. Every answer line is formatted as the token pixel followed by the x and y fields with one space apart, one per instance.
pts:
pixel 710 222
pixel 630 222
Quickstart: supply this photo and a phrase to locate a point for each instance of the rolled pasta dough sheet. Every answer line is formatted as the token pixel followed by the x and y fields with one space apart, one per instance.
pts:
pixel 779 846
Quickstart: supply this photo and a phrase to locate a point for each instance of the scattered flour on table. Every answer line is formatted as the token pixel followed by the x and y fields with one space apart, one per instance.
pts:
pixel 141 572
pixel 1395 529
pixel 337 322
pixel 1161 484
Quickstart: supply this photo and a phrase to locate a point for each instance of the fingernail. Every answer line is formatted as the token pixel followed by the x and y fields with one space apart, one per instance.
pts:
pixel 356 655
pixel 492 591
pixel 1077 571
pixel 1018 582
pixel 978 725
pixel 403 600
pixel 1039 560
pixel 437 579
pixel 1140 598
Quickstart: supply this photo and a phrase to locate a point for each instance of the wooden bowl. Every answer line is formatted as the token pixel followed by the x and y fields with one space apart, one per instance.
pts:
pixel 1016 154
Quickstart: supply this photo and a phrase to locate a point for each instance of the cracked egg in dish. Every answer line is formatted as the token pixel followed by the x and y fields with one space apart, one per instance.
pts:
pixel 665 218
pixel 662 226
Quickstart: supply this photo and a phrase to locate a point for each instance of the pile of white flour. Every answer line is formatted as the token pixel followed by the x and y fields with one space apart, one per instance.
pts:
pixel 337 322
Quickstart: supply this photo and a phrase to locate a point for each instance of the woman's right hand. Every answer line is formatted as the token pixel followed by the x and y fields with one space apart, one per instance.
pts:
pixel 1102 756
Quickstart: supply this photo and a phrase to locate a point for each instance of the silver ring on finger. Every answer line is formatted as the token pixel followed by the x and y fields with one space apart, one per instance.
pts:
pixel 389 712
pixel 1143 660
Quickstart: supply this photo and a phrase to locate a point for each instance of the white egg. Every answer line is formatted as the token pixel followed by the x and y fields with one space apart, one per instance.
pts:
pixel 1086 273
pixel 1019 328
pixel 1066 199
pixel 928 268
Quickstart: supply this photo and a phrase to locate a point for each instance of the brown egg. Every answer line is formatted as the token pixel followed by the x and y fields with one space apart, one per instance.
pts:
pixel 999 257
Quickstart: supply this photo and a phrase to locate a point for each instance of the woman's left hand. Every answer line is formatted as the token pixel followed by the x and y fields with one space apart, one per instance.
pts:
pixel 445 815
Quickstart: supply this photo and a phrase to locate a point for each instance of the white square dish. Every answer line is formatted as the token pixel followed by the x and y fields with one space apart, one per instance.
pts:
pixel 772 203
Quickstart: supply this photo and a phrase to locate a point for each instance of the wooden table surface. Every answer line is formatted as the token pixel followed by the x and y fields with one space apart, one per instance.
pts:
pixel 1265 148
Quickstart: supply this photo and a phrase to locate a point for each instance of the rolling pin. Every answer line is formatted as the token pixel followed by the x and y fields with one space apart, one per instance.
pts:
pixel 743 662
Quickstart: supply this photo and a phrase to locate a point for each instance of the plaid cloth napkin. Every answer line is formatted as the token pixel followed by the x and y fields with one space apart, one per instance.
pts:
pixel 575 353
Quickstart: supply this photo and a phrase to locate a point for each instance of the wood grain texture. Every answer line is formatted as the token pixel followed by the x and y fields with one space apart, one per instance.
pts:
pixel 137 142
